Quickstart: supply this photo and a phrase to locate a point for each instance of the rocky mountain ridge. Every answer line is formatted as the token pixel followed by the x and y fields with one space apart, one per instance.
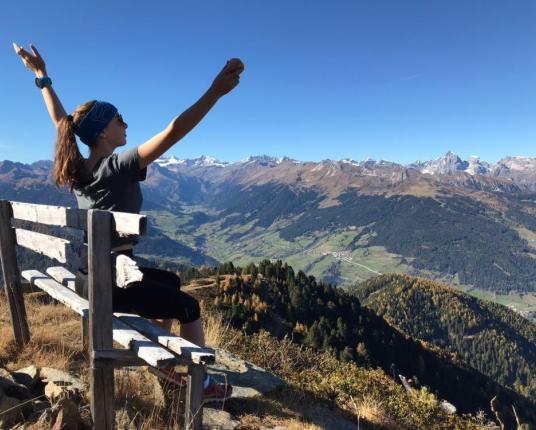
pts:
pixel 510 174
pixel 448 164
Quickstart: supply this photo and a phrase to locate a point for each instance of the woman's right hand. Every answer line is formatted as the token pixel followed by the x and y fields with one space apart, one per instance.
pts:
pixel 34 62
pixel 229 77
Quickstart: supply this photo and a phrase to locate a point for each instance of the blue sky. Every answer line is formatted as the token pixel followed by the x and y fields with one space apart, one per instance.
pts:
pixel 396 80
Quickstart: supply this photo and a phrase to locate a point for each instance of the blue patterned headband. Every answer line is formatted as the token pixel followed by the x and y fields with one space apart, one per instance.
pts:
pixel 96 120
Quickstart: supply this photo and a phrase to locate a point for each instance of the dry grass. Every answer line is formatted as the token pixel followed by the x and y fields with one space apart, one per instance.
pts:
pixel 288 409
pixel 312 401
pixel 372 411
pixel 55 336
pixel 55 342
pixel 218 334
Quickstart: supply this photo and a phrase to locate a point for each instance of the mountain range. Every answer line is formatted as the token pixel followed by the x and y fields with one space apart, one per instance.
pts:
pixel 468 223
pixel 517 169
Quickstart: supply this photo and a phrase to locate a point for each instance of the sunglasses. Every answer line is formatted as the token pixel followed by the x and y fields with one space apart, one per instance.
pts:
pixel 120 118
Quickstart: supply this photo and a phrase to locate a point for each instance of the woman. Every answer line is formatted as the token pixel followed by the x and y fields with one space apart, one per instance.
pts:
pixel 110 181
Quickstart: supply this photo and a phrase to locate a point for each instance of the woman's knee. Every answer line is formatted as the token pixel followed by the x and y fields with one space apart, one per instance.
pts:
pixel 192 313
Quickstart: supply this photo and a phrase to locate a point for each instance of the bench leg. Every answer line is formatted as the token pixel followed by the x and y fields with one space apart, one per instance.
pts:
pixel 194 397
pixel 102 397
pixel 80 286
pixel 100 316
pixel 85 333
pixel 10 269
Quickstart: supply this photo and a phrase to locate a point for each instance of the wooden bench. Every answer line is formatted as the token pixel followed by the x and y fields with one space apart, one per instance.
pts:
pixel 145 343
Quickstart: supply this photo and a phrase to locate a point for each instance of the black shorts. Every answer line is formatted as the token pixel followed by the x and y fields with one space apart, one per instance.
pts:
pixel 157 296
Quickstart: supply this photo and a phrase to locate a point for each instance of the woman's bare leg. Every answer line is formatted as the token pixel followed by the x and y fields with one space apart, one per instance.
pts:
pixel 194 332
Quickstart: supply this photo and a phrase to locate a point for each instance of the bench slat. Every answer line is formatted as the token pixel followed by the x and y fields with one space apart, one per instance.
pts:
pixel 57 291
pixel 53 247
pixel 157 334
pixel 125 223
pixel 152 353
pixel 176 344
pixel 63 276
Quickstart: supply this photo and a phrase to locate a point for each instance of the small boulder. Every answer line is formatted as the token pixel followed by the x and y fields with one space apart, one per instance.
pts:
pixel 27 376
pixel 60 384
pixel 247 379
pixel 11 387
pixel 218 419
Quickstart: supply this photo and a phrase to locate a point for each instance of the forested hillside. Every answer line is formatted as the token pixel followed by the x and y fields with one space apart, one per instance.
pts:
pixel 273 297
pixel 487 336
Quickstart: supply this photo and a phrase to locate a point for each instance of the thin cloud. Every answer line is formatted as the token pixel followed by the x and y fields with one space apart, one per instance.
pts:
pixel 412 77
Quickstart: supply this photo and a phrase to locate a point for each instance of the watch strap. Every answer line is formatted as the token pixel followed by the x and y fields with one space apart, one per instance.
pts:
pixel 43 82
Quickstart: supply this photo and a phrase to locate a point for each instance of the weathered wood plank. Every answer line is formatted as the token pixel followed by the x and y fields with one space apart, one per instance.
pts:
pixel 57 291
pixel 125 223
pixel 150 352
pixel 50 215
pixel 128 223
pixel 59 249
pixel 100 317
pixel 63 276
pixel 10 269
pixel 188 350
pixel 194 397
pixel 80 286
pixel 117 358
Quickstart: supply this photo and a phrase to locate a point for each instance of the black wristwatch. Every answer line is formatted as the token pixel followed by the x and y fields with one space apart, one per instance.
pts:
pixel 43 82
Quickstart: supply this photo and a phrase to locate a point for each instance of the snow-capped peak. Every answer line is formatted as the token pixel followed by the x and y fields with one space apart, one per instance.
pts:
pixel 350 161
pixel 449 164
pixel 169 161
pixel 203 161
pixel 518 163
pixel 476 166
pixel 266 159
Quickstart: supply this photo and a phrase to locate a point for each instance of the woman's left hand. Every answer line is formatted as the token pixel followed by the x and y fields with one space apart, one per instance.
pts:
pixel 33 62
pixel 229 77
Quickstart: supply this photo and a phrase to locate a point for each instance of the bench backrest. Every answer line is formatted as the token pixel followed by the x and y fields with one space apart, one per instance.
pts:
pixel 98 226
pixel 75 222
pixel 128 329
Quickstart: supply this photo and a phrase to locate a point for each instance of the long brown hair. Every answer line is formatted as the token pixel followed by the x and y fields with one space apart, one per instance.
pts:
pixel 68 160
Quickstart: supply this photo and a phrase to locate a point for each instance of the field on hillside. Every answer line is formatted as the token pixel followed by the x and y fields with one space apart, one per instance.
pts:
pixel 524 304
pixel 334 257
pixel 319 253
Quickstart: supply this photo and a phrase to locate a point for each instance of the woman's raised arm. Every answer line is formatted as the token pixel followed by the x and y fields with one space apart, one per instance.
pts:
pixel 36 64
pixel 225 81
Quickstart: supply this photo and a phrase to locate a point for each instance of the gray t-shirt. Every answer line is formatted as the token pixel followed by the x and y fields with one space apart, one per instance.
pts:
pixel 114 184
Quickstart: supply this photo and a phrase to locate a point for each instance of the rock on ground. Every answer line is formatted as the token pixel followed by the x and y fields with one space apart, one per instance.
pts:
pixel 217 419
pixel 61 384
pixel 247 379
